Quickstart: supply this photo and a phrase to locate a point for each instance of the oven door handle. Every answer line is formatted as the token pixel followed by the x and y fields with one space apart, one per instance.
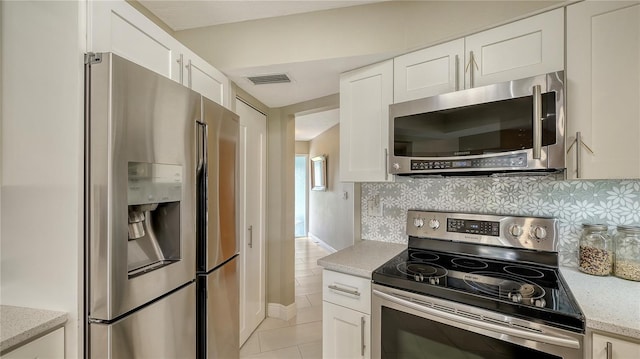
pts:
pixel 569 343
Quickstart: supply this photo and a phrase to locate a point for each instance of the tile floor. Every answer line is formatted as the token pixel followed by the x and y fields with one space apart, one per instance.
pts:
pixel 300 337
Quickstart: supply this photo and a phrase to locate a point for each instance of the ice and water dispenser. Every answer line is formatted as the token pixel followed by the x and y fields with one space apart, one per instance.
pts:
pixel 153 197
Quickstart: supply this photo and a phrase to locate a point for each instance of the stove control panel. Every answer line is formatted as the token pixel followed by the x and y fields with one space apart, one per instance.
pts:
pixel 539 233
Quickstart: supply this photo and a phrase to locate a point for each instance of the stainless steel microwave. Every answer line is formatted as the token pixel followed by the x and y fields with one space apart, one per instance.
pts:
pixel 515 126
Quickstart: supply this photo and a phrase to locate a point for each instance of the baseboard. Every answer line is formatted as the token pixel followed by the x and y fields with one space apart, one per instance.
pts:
pixel 279 311
pixel 322 243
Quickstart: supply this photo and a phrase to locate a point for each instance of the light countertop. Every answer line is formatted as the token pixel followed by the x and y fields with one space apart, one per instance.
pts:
pixel 20 325
pixel 362 258
pixel 609 304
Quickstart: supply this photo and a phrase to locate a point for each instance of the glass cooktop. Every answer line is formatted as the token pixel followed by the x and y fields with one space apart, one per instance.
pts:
pixel 532 292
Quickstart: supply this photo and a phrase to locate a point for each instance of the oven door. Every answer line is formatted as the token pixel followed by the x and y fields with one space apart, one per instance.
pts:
pixel 408 325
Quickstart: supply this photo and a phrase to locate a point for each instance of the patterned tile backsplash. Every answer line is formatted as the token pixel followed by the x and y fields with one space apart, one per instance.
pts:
pixel 611 202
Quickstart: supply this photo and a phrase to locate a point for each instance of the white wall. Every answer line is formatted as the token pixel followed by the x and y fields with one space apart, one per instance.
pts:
pixel 331 215
pixel 42 156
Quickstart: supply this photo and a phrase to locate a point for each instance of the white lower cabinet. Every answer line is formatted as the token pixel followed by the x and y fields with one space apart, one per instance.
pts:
pixel 346 333
pixel 346 316
pixel 48 346
pixel 604 347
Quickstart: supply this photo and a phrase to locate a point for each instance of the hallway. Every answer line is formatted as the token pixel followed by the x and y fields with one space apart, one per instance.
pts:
pixel 300 337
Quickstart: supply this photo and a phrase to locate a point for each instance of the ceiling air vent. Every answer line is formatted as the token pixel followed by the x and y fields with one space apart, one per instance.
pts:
pixel 269 79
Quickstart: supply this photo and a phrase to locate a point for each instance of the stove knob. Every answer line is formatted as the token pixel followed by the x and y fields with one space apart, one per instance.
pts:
pixel 396 166
pixel 541 303
pixel 434 223
pixel 538 232
pixel 418 222
pixel 434 281
pixel 515 297
pixel 515 230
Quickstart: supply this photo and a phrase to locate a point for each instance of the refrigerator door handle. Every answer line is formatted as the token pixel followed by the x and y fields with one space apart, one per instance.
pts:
pixel 201 145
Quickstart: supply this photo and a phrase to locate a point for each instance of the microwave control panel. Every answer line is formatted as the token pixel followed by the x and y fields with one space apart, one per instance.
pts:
pixel 510 161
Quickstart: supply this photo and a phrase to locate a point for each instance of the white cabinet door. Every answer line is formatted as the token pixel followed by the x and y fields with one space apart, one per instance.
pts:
pixel 115 26
pixel 200 76
pixel 365 95
pixel 253 177
pixel 524 48
pixel 603 89
pixel 427 72
pixel 617 348
pixel 346 333
pixel 48 346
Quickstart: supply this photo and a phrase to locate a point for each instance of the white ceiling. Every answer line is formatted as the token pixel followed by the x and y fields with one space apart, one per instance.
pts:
pixel 189 14
pixel 310 80
pixel 310 126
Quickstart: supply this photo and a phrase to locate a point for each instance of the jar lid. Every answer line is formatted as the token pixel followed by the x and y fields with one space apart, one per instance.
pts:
pixel 596 227
pixel 628 228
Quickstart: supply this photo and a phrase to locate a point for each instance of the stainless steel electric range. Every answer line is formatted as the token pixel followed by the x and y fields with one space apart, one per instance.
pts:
pixel 475 286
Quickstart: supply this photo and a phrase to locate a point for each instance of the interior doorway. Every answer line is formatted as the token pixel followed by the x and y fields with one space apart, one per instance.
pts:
pixel 301 193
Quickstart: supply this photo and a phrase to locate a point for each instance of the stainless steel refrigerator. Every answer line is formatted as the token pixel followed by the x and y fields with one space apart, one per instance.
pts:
pixel 145 160
pixel 217 250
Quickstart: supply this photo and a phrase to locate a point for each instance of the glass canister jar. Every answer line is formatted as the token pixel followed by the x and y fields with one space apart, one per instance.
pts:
pixel 627 258
pixel 595 254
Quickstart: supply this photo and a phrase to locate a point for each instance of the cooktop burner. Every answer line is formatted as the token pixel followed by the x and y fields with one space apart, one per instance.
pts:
pixel 526 290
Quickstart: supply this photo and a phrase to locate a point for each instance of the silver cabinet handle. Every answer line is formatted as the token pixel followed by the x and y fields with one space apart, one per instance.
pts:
pixel 190 70
pixel 578 157
pixel 386 164
pixel 181 61
pixel 362 322
pixel 250 236
pixel 579 144
pixel 470 68
pixel 609 350
pixel 537 122
pixel 456 75
pixel 348 291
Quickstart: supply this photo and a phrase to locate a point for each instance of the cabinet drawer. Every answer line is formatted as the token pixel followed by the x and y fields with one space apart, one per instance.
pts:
pixel 347 290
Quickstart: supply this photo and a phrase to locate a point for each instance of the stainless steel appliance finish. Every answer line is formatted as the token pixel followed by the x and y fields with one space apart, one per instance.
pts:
pixel 479 285
pixel 490 129
pixel 140 212
pixel 540 341
pixel 217 233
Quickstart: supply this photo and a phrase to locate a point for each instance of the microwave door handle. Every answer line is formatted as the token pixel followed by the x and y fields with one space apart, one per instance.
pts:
pixel 537 122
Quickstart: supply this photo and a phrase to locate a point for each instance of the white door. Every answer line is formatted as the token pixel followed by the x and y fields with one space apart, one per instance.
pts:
pixel 428 72
pixel 525 48
pixel 346 333
pixel 603 88
pixel 253 177
pixel 365 96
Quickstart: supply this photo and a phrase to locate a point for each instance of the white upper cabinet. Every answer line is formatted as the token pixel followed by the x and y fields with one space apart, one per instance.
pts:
pixel 603 89
pixel 428 72
pixel 365 96
pixel 524 48
pixel 115 26
pixel 205 79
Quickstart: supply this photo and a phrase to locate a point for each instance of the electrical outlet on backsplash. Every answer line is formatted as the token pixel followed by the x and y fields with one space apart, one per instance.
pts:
pixel 610 202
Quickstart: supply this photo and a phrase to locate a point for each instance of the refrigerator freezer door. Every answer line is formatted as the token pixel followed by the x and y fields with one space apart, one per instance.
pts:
pixel 164 329
pixel 217 227
pixel 218 312
pixel 140 186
